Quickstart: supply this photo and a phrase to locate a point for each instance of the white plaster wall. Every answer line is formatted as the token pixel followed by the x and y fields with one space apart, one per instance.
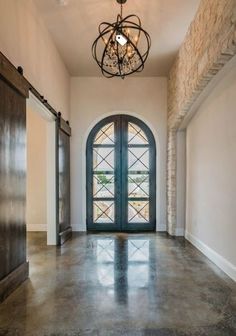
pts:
pixel 36 192
pixel 95 98
pixel 25 40
pixel 211 182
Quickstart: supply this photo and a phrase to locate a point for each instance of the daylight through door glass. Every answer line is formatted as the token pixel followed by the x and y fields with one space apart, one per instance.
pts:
pixel 138 175
pixel 103 175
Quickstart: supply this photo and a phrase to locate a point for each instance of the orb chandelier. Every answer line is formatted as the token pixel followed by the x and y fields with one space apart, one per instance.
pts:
pixel 122 47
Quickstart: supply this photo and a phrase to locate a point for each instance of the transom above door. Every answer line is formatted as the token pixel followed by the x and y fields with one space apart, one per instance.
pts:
pixel 121 176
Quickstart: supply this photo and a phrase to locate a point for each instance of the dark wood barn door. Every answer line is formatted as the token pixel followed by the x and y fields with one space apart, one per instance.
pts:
pixel 63 181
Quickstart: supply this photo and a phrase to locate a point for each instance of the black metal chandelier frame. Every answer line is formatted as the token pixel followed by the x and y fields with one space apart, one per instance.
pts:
pixel 120 27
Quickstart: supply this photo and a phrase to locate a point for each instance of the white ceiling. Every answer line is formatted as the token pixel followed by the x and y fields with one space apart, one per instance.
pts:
pixel 74 28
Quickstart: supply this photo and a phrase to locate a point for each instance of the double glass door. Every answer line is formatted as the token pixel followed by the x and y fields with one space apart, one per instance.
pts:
pixel 121 176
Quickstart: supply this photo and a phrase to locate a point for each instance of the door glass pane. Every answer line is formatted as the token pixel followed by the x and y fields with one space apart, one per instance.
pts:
pixel 103 159
pixel 136 135
pixel 103 185
pixel 138 159
pixel 106 135
pixel 103 211
pixel 138 211
pixel 138 175
pixel 138 185
pixel 103 176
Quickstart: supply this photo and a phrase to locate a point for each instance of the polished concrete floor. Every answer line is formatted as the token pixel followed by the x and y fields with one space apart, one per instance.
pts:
pixel 118 284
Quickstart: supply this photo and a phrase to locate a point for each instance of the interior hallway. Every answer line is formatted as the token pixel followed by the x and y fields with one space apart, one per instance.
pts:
pixel 119 284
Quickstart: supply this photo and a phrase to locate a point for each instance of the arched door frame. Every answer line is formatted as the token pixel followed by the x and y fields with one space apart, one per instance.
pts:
pixel 160 226
pixel 121 121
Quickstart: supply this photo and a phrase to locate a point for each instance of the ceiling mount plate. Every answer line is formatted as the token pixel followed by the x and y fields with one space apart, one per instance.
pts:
pixel 121 2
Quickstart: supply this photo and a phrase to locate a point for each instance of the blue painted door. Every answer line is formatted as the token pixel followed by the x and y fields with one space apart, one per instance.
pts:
pixel 121 176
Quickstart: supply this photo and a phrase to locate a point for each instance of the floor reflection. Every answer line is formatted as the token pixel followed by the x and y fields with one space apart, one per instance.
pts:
pixel 123 265
pixel 119 284
pixel 138 259
pixel 105 262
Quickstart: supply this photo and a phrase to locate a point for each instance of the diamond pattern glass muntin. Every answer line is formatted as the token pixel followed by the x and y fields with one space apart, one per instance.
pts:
pixel 103 159
pixel 138 211
pixel 138 185
pixel 106 135
pixel 103 211
pixel 103 175
pixel 138 159
pixel 103 186
pixel 136 135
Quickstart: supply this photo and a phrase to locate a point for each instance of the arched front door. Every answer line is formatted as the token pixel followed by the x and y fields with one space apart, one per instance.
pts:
pixel 121 176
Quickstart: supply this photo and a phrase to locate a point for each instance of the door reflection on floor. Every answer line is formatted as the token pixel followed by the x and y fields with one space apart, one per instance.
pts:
pixel 123 265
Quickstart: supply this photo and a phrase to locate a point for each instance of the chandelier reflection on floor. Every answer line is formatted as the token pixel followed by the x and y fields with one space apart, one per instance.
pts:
pixel 121 48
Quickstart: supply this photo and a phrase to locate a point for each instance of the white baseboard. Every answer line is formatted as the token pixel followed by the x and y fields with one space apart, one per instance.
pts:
pixel 36 227
pixel 216 258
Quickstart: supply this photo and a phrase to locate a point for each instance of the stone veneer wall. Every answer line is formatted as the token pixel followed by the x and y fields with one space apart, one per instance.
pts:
pixel 209 44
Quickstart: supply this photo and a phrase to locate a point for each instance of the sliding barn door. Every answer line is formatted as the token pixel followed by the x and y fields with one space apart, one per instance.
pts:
pixel 63 181
pixel 13 93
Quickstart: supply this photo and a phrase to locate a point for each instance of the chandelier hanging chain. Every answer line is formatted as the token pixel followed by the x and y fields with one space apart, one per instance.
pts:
pixel 125 46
